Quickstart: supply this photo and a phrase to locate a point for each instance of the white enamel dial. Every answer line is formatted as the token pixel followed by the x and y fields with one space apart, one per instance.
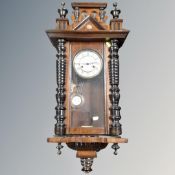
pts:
pixel 87 64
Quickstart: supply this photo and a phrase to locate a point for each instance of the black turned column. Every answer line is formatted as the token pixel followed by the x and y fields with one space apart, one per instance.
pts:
pixel 60 128
pixel 115 127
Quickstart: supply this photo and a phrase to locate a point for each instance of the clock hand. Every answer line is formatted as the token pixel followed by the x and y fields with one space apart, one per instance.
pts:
pixel 87 63
pixel 94 63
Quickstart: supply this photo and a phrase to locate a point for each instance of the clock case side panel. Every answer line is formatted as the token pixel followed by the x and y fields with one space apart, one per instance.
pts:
pixel 67 86
pixel 107 85
pixel 74 47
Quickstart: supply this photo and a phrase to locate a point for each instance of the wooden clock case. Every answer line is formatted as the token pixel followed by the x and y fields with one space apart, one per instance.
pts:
pixel 88 31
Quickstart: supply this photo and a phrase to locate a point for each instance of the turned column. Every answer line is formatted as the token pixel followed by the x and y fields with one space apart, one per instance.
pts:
pixel 115 127
pixel 60 128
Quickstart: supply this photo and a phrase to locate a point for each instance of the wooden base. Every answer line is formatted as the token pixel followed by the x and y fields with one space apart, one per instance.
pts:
pixel 87 146
pixel 86 139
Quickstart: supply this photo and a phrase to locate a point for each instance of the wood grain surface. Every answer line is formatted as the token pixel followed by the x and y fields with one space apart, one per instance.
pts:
pixel 85 139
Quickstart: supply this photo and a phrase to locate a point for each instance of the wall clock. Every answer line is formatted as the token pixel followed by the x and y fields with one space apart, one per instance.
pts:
pixel 87 74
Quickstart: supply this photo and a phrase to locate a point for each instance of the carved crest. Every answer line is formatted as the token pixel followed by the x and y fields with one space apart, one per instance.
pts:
pixel 89 24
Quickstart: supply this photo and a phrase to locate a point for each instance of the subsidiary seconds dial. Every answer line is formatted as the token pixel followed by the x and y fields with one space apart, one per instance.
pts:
pixel 87 64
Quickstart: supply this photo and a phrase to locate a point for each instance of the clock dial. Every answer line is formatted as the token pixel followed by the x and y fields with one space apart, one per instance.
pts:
pixel 87 64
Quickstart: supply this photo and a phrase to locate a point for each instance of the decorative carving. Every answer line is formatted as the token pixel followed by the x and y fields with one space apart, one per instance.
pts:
pixel 89 21
pixel 60 96
pixel 116 12
pixel 63 11
pixel 76 13
pixel 84 14
pixel 115 128
pixel 87 164
pixel 87 146
pixel 84 10
pixel 94 14
pixel 102 14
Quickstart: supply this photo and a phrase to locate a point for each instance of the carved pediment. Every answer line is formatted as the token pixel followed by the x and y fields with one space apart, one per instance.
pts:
pixel 89 24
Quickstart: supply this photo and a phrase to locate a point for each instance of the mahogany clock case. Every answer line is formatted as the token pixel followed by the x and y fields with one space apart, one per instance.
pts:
pixel 98 97
pixel 88 94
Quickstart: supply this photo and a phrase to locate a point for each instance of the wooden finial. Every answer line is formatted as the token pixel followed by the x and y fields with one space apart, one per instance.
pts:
pixel 62 22
pixel 116 12
pixel 63 11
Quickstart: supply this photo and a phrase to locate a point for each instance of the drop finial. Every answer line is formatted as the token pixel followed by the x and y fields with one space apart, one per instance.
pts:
pixel 87 164
pixel 115 147
pixel 59 147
